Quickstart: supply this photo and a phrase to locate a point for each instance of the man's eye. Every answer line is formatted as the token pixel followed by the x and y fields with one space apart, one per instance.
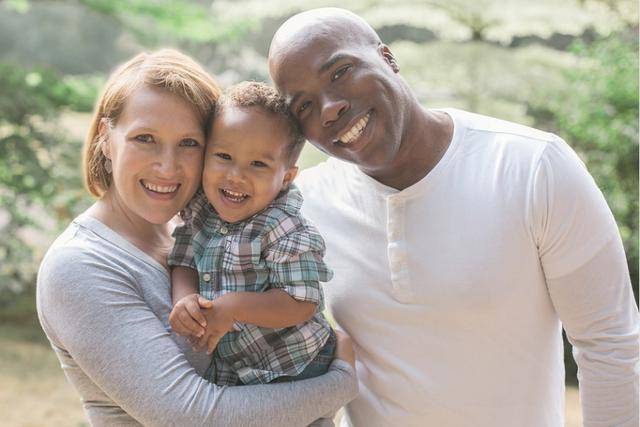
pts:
pixel 189 142
pixel 340 72
pixel 303 106
pixel 259 164
pixel 144 138
pixel 223 156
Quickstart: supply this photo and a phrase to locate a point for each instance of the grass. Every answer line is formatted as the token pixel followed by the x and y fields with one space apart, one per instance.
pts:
pixel 34 391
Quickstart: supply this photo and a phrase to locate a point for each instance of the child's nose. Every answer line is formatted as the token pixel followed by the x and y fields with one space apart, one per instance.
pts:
pixel 234 174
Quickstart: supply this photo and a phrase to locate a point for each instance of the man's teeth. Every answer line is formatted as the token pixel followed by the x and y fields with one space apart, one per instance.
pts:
pixel 160 188
pixel 236 197
pixel 355 131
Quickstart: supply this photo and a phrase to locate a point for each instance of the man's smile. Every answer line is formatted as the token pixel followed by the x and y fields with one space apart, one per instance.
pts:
pixel 355 131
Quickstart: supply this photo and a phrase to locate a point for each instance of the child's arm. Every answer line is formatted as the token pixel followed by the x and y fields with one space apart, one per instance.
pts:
pixel 273 308
pixel 186 319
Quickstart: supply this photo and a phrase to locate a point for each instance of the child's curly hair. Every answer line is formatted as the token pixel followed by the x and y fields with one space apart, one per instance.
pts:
pixel 258 94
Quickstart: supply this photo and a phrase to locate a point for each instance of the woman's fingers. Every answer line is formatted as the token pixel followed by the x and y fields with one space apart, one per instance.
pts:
pixel 344 348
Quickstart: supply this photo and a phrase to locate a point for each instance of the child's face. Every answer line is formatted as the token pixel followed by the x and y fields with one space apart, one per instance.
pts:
pixel 246 163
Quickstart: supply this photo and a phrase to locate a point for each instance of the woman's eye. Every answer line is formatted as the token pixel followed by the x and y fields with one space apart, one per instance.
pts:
pixel 340 72
pixel 223 156
pixel 259 164
pixel 189 142
pixel 145 138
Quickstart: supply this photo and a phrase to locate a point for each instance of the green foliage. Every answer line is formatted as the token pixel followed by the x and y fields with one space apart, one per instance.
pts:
pixel 38 168
pixel 180 19
pixel 597 113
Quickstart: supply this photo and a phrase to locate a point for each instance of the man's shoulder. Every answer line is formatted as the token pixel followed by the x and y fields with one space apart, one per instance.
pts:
pixel 478 125
pixel 323 176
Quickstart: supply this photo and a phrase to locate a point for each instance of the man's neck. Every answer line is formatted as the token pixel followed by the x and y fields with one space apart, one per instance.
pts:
pixel 428 136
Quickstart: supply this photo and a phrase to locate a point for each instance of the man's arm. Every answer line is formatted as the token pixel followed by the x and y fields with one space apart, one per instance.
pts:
pixel 588 281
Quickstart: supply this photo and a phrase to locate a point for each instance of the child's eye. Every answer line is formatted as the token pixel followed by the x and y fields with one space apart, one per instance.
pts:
pixel 223 156
pixel 259 164
pixel 340 72
pixel 189 142
pixel 144 138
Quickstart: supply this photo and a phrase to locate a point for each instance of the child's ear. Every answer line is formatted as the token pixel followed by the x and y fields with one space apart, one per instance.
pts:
pixel 289 176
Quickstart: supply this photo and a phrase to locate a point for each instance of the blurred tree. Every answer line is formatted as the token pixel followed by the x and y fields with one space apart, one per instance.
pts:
pixel 40 182
pixel 38 167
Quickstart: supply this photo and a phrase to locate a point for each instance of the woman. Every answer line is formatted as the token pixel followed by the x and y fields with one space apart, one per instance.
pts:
pixel 103 287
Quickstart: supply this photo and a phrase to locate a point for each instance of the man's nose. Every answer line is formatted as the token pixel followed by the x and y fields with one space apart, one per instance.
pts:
pixel 332 110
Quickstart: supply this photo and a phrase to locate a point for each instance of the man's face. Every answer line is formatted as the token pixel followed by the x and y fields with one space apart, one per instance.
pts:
pixel 345 95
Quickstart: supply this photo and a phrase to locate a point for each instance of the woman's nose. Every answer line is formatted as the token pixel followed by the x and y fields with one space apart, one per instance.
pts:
pixel 167 164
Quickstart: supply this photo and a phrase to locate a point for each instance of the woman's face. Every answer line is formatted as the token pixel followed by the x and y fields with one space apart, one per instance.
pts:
pixel 156 150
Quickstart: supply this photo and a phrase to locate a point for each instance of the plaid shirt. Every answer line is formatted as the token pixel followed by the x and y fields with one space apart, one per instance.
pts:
pixel 275 248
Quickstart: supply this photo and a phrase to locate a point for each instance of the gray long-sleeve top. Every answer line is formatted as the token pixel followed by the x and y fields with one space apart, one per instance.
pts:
pixel 104 305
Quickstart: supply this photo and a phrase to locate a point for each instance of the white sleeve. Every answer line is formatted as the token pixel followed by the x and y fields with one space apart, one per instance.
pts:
pixel 588 280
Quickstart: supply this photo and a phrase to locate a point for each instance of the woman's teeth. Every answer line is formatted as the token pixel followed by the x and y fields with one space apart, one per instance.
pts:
pixel 355 131
pixel 160 188
pixel 233 196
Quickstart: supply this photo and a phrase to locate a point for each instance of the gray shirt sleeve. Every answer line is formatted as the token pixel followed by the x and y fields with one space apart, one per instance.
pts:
pixel 124 363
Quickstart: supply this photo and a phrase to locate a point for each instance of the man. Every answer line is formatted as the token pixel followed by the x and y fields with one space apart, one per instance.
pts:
pixel 459 244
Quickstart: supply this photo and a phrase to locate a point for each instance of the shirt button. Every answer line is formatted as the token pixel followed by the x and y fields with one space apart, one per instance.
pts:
pixel 206 277
pixel 224 230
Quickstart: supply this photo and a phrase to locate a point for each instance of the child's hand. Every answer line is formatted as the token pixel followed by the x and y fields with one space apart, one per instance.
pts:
pixel 186 319
pixel 219 320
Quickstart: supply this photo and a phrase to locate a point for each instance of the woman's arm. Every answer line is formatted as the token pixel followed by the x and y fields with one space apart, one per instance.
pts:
pixel 97 314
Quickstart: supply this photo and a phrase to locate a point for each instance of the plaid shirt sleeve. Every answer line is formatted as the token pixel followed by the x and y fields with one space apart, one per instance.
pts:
pixel 294 260
pixel 182 253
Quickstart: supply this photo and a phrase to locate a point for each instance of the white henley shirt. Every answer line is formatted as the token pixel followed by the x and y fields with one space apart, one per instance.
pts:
pixel 454 289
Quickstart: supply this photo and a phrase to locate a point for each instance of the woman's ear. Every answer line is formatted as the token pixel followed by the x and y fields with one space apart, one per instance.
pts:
pixel 103 133
pixel 289 176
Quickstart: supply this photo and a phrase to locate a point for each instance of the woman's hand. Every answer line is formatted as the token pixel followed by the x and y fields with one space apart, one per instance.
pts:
pixel 344 349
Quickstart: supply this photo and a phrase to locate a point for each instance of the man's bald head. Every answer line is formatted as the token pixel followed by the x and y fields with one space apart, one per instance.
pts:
pixel 328 22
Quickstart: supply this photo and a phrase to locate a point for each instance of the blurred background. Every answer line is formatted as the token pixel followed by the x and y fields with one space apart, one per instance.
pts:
pixel 566 66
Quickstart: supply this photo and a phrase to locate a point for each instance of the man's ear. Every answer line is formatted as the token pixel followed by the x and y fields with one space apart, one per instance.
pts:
pixel 289 176
pixel 103 131
pixel 388 57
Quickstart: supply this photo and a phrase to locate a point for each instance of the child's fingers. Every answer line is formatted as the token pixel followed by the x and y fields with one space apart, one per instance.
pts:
pixel 191 325
pixel 179 328
pixel 196 314
pixel 204 303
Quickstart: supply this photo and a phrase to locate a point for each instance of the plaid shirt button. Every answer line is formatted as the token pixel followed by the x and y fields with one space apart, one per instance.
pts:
pixel 224 230
pixel 206 277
